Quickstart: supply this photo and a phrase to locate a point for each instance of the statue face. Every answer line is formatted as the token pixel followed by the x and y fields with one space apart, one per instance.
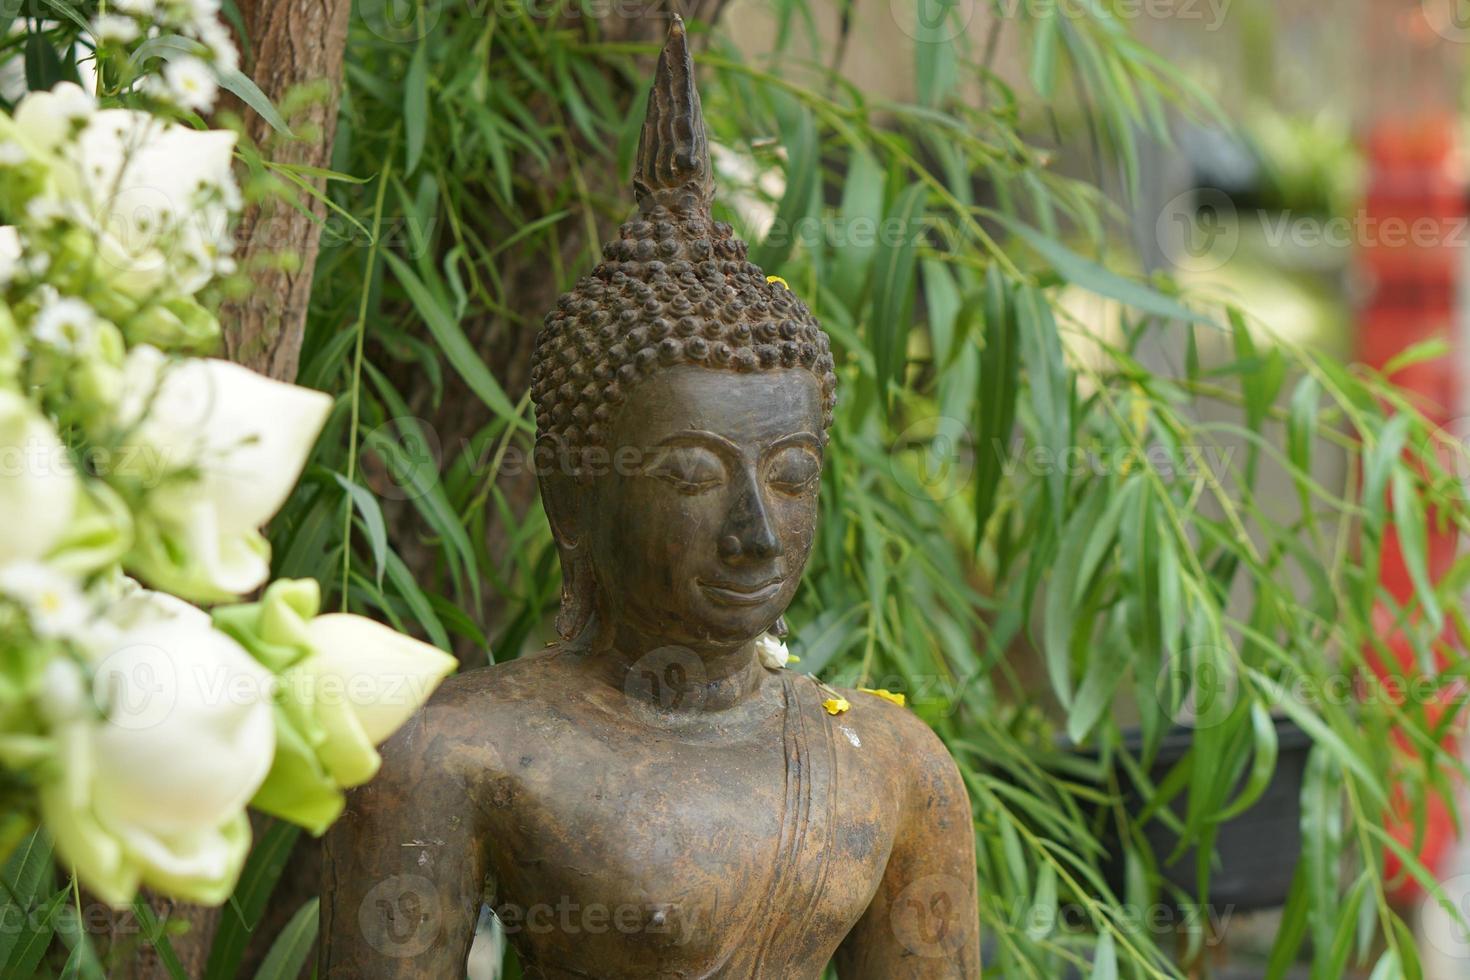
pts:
pixel 703 536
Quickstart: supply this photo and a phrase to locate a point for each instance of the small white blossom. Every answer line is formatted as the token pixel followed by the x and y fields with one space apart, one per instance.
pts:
pixel 45 211
pixel 191 84
pixel 115 29
pixel 52 600
pixel 771 651
pixel 216 37
pixel 66 324
pixel 143 8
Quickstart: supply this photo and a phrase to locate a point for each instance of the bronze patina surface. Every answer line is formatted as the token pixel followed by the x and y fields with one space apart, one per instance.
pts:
pixel 646 798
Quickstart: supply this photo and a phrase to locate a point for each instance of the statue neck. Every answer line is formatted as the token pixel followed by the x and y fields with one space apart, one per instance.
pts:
pixel 692 679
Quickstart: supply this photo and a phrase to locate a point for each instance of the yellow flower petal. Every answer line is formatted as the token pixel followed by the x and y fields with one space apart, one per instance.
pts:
pixel 897 699
pixel 793 659
pixel 783 282
pixel 836 706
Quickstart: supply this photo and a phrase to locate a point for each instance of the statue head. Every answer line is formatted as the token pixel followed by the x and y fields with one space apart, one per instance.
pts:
pixel 683 402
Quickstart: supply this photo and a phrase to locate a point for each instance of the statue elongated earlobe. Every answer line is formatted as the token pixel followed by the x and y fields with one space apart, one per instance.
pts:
pixel 673 166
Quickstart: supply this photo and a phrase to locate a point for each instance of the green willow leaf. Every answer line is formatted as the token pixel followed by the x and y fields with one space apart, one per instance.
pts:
pixel 893 292
pixel 1263 763
pixel 1094 278
pixel 288 953
pixel 241 914
pixel 1411 526
pixel 995 401
pixel 446 330
pixel 372 519
pixel 1049 383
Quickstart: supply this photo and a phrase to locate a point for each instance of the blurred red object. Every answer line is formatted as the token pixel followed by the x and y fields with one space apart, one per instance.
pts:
pixel 1410 249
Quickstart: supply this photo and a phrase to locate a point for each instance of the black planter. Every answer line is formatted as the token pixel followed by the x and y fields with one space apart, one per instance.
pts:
pixel 1258 849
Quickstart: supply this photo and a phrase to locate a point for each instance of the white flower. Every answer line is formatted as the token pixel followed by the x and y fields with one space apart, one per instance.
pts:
pixel 38 482
pixel 191 83
pixel 771 651
pixel 51 118
pixel 12 153
pixel 142 8
pixel 115 29
pixel 67 324
pixel 245 436
pixel 53 602
pixel 160 196
pixel 157 766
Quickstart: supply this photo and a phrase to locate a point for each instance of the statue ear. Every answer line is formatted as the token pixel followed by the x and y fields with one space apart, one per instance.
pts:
pixel 564 498
pixel 559 496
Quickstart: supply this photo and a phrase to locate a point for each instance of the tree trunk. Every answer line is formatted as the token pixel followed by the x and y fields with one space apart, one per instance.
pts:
pixel 291 43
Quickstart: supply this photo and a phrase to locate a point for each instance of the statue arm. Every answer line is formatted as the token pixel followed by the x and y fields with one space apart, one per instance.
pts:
pixel 923 923
pixel 403 869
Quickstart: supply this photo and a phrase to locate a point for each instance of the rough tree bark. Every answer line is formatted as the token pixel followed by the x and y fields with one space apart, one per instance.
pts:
pixel 291 42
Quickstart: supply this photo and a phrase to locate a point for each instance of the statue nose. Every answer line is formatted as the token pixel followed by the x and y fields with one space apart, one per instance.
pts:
pixel 748 533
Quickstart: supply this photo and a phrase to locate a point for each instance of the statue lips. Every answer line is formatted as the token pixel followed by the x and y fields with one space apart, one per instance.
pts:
pixel 734 594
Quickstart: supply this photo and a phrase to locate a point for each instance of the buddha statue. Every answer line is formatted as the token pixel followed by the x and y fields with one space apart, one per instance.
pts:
pixel 655 796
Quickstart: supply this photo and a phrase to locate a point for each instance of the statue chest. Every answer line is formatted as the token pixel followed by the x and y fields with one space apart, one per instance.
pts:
pixel 652 857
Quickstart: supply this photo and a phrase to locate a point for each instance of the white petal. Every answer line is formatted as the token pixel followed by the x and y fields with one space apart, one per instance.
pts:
pixel 190 733
pixel 772 652
pixel 249 435
pixel 385 675
pixel 38 482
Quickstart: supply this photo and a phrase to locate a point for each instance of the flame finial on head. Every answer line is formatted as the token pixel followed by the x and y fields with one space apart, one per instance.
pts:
pixel 673 166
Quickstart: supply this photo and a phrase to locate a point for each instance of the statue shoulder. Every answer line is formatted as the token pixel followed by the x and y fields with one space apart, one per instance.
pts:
pixel 900 736
pixel 504 684
pixel 475 715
